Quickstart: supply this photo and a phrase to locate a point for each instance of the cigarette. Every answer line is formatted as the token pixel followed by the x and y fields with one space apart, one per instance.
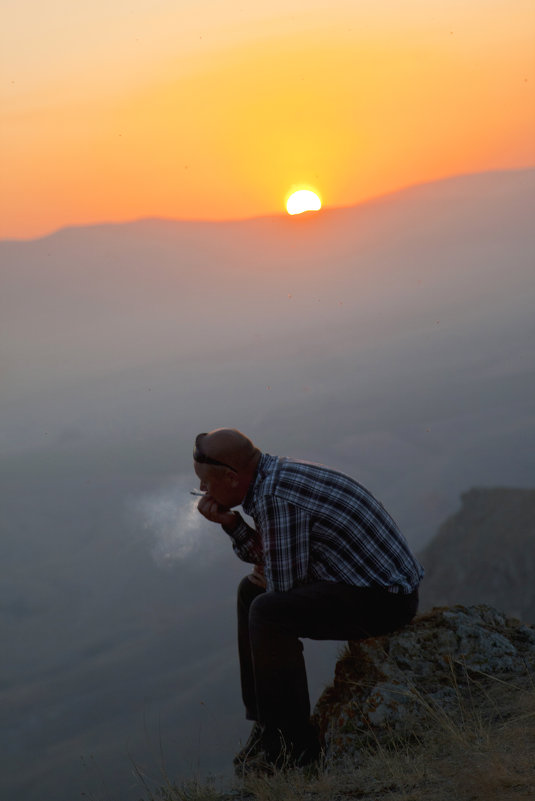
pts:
pixel 196 492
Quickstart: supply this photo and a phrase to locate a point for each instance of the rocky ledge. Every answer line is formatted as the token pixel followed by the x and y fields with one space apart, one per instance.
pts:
pixel 392 688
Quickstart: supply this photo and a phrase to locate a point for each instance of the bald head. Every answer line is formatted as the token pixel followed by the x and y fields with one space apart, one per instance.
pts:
pixel 230 446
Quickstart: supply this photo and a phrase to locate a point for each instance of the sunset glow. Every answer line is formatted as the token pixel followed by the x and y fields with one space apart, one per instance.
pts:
pixel 205 111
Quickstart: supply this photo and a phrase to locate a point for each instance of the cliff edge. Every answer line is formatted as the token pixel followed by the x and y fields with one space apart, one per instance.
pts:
pixel 443 708
pixel 395 687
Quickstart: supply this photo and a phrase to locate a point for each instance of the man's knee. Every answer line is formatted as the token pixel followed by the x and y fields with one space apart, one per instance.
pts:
pixel 274 631
pixel 243 586
pixel 269 608
pixel 247 592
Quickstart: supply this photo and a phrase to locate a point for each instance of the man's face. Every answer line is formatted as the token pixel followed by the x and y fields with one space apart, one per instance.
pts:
pixel 220 484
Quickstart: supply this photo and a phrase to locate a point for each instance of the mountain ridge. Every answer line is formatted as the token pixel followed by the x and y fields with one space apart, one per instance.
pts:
pixel 457 183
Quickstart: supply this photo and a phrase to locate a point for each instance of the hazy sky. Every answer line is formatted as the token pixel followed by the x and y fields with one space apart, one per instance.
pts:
pixel 212 110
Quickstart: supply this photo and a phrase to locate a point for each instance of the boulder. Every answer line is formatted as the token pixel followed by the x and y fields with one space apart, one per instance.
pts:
pixel 394 687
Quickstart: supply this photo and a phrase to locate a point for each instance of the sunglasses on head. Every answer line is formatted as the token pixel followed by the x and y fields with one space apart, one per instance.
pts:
pixel 202 458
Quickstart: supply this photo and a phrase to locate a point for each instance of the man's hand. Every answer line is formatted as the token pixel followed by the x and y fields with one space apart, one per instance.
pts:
pixel 215 513
pixel 257 576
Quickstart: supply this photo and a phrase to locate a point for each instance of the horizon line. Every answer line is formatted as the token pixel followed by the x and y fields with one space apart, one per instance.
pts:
pixel 282 214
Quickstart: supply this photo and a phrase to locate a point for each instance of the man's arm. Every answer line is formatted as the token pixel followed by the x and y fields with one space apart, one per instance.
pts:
pixel 285 529
pixel 246 541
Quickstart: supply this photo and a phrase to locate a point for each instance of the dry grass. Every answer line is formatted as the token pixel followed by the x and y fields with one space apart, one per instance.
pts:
pixel 485 753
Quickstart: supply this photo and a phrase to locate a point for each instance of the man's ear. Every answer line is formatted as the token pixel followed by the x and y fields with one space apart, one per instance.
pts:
pixel 233 478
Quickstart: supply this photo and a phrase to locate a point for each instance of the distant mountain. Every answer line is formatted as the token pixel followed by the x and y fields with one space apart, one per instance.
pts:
pixel 485 554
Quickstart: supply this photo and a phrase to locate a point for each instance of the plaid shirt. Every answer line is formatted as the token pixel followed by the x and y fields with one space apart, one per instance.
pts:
pixel 317 524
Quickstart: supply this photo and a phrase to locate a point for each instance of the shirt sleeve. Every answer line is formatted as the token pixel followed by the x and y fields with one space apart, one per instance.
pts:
pixel 285 538
pixel 246 542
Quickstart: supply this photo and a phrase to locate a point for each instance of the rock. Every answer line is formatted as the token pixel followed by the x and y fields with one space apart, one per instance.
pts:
pixel 485 554
pixel 391 687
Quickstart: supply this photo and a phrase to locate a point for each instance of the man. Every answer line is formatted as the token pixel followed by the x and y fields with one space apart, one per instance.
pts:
pixel 330 564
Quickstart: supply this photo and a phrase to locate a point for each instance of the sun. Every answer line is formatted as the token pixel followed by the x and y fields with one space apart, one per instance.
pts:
pixel 303 200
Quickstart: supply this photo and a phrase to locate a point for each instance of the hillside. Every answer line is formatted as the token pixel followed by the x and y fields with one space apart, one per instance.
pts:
pixel 444 708
pixel 485 553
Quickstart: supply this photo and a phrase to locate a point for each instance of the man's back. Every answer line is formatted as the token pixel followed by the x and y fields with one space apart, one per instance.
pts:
pixel 317 523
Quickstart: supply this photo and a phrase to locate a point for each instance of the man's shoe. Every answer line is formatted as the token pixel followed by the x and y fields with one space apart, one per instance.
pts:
pixel 252 747
pixel 257 765
pixel 284 751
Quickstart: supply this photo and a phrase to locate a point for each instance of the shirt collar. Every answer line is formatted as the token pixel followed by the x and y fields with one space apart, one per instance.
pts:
pixel 264 466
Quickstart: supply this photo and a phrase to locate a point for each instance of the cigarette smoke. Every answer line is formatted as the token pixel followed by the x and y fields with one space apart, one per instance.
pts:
pixel 170 518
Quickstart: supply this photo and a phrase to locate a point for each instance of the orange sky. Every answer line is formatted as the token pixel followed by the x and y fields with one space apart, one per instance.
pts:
pixel 125 110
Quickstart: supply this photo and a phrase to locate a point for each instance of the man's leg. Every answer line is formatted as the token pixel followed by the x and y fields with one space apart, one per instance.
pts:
pixel 323 610
pixel 266 734
pixel 247 592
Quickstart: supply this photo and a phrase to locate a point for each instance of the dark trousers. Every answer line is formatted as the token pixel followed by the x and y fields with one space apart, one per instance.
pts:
pixel 273 675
